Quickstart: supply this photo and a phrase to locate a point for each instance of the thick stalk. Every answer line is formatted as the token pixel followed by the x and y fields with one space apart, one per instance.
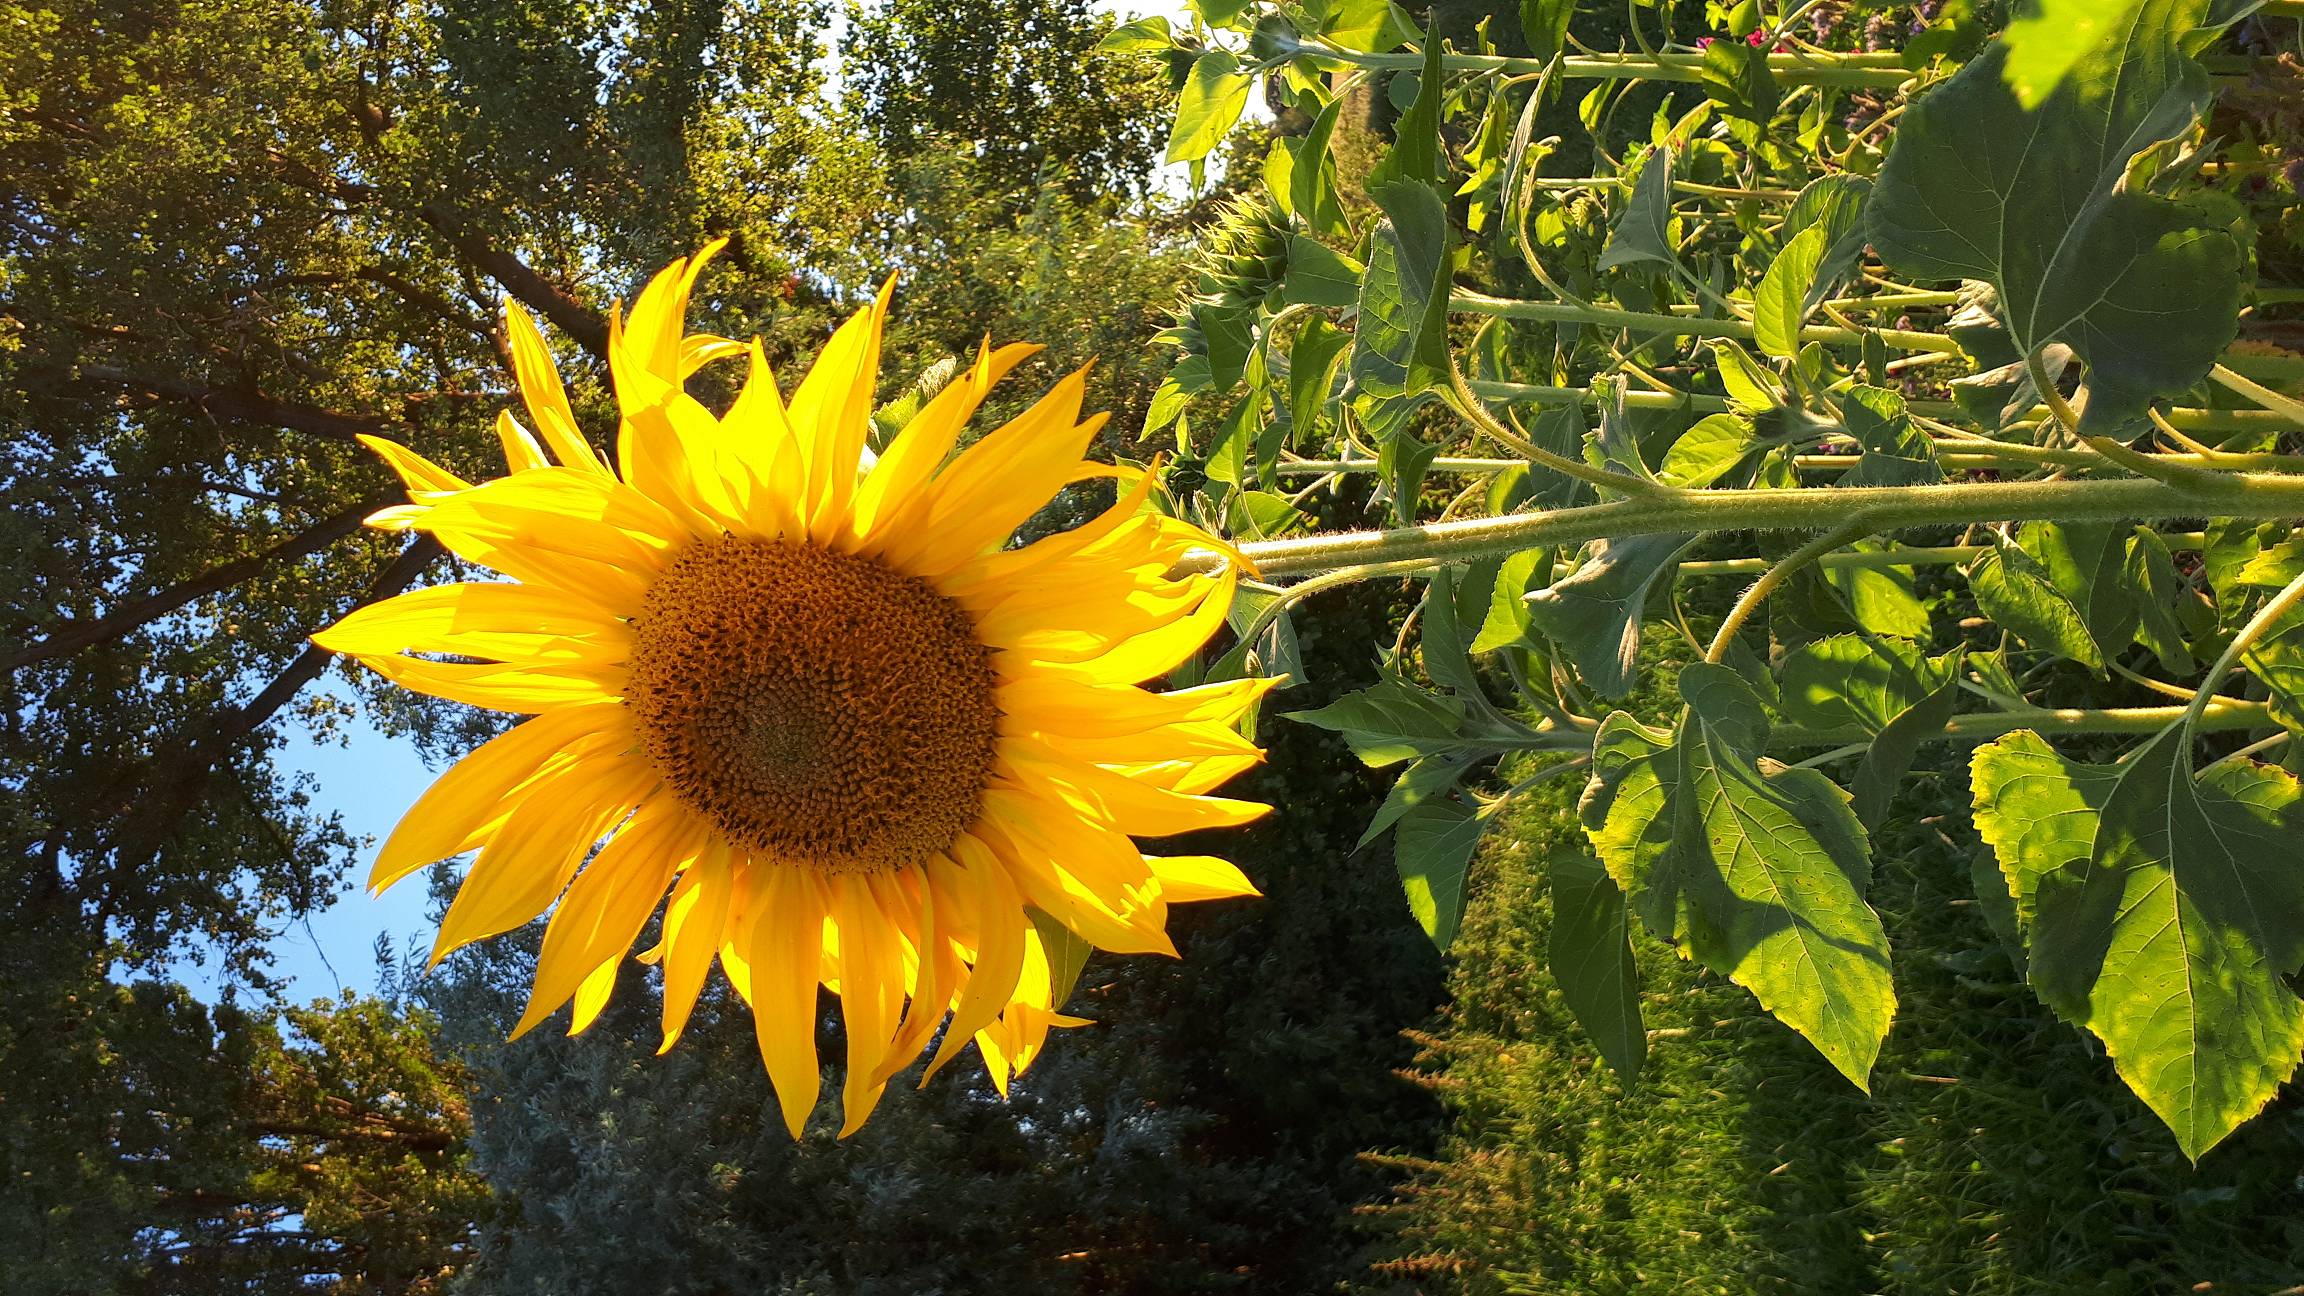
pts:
pixel 1885 508
pixel 2221 715
pixel 1465 302
pixel 2190 420
pixel 1882 71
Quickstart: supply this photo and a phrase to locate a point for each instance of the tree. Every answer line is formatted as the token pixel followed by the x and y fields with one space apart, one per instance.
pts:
pixel 155 1143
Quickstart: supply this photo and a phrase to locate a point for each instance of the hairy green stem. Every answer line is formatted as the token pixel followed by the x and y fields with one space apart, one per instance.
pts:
pixel 1847 533
pixel 1886 508
pixel 2288 597
pixel 2218 715
pixel 1883 71
pixel 1466 302
pixel 2190 420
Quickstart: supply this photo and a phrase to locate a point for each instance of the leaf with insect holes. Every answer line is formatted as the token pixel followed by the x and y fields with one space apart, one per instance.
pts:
pixel 2144 289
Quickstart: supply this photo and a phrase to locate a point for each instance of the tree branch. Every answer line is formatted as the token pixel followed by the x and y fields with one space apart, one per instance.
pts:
pixel 82 632
pixel 244 405
pixel 587 326
pixel 176 781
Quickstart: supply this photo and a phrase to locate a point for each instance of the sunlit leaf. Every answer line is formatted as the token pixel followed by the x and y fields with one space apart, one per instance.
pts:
pixel 1758 873
pixel 2162 913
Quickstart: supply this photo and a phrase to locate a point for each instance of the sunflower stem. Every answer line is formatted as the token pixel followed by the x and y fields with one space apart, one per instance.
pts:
pixel 1886 508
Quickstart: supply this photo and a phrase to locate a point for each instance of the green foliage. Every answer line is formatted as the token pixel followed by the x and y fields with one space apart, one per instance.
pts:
pixel 1943 364
pixel 2141 287
pixel 1994 1157
pixel 158 1144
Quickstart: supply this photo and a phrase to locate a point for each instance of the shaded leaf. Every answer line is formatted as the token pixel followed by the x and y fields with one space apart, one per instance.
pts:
pixel 1433 850
pixel 1593 615
pixel 1591 959
pixel 2144 290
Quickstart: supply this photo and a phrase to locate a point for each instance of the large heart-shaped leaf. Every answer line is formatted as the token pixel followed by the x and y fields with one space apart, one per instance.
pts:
pixel 2144 289
pixel 1758 873
pixel 2162 912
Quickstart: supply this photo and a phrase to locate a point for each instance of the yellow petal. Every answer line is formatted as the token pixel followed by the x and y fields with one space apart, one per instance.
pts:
pixel 520 690
pixel 592 995
pixel 871 991
pixel 422 476
pixel 475 794
pixel 1184 878
pixel 1137 808
pixel 832 414
pixel 492 620
pixel 1048 702
pixel 1000 922
pixel 525 865
pixel 892 495
pixel 785 935
pixel 607 905
pixel 559 511
pixel 546 399
pixel 521 452
pixel 694 923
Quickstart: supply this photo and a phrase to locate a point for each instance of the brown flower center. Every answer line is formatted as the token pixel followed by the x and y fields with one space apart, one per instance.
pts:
pixel 824 711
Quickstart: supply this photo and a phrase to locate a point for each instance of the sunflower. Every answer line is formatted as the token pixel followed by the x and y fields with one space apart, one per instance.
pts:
pixel 810 702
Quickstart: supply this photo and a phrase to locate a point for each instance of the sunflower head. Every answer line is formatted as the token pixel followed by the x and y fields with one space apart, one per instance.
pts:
pixel 806 704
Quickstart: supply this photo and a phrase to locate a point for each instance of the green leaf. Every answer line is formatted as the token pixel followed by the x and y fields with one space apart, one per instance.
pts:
pixel 1895 452
pixel 1446 657
pixel 1757 872
pixel 1593 615
pixel 1319 275
pixel 1211 102
pixel 2160 598
pixel 1752 387
pixel 1433 850
pixel 1312 371
pixel 1851 680
pixel 2145 290
pixel 1400 346
pixel 2088 561
pixel 1231 337
pixel 1880 599
pixel 1507 622
pixel 1426 779
pixel 1143 35
pixel 2045 43
pixel 1415 154
pixel 1890 756
pixel 2277 658
pixel 1067 955
pixel 1643 232
pixel 1311 190
pixel 1591 959
pixel 1736 77
pixel 1780 303
pixel 1372 26
pixel 2162 912
pixel 1390 721
pixel 1272 653
pixel 1708 451
pixel 1824 234
pixel 1268 515
pixel 1544 25
pixel 2013 590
